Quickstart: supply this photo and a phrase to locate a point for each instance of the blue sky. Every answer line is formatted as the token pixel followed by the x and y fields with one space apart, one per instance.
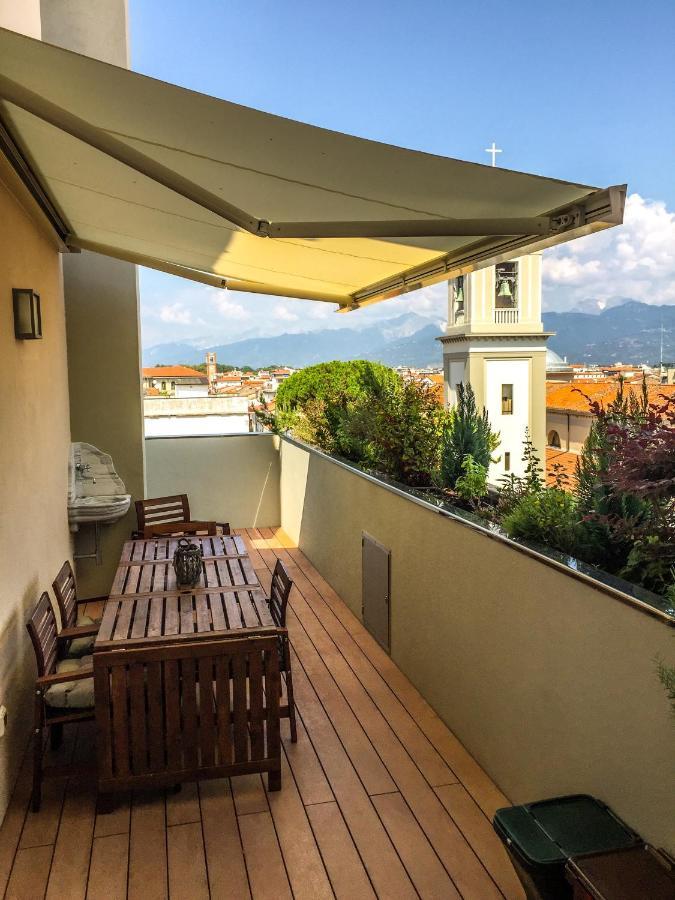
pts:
pixel 576 90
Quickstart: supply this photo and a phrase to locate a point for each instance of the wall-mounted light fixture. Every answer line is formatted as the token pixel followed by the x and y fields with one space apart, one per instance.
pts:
pixel 27 314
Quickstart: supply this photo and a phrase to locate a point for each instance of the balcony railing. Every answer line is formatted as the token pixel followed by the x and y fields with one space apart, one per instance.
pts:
pixel 509 316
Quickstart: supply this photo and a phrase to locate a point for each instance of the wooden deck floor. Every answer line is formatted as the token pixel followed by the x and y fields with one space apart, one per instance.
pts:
pixel 378 798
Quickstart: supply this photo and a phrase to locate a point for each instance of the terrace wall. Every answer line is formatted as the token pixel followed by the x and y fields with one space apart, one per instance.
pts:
pixel 548 679
pixel 34 448
pixel 227 477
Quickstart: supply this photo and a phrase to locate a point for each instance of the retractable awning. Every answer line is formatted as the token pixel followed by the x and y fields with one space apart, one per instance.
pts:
pixel 162 176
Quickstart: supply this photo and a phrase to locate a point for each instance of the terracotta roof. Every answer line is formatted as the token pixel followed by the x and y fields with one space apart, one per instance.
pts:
pixel 565 396
pixel 172 372
pixel 562 461
pixel 152 392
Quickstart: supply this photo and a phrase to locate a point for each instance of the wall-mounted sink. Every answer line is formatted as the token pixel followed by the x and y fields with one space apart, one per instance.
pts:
pixel 96 493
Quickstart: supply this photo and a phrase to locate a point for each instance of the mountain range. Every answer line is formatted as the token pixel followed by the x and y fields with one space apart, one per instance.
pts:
pixel 629 333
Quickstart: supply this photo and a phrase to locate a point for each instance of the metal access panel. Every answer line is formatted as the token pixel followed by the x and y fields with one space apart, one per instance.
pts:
pixel 376 589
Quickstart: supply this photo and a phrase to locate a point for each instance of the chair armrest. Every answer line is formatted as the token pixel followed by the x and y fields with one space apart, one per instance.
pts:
pixel 62 677
pixel 82 602
pixel 77 631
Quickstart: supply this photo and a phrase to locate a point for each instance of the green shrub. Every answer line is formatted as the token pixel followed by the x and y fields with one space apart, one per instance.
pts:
pixel 548 517
pixel 468 433
pixel 472 484
pixel 316 403
pixel 399 432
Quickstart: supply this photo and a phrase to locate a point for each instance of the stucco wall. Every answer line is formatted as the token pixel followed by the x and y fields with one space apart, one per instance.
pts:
pixel 547 680
pixel 106 406
pixel 34 536
pixel 232 478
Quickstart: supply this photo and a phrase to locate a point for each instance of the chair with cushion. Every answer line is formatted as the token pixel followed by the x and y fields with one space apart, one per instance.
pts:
pixel 65 591
pixel 278 602
pixel 64 688
pixel 166 511
pixel 179 529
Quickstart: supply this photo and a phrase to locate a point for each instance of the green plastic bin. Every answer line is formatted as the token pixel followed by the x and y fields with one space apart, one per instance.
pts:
pixel 541 837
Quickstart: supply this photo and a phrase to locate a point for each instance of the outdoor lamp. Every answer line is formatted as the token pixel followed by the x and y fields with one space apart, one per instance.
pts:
pixel 27 315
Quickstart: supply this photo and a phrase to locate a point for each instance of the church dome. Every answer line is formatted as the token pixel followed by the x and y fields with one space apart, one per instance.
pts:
pixel 554 361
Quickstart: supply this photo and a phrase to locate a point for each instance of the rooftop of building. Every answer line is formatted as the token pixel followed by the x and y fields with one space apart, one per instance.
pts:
pixel 172 372
pixel 576 397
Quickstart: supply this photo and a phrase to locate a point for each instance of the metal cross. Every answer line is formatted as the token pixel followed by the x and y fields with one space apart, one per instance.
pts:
pixel 494 151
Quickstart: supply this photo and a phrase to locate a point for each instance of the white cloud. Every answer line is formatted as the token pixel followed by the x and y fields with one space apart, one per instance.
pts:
pixel 176 314
pixel 285 314
pixel 228 308
pixel 635 260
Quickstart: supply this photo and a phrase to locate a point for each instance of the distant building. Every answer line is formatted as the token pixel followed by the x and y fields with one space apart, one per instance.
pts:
pixel 175 381
pixel 569 415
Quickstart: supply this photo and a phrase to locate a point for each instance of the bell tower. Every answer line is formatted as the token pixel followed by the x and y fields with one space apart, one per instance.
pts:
pixel 495 341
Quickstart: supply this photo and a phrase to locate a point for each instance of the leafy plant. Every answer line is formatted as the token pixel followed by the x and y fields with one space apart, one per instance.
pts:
pixel 399 432
pixel 316 403
pixel 548 516
pixel 626 488
pixel 667 678
pixel 514 487
pixel 472 484
pixel 468 433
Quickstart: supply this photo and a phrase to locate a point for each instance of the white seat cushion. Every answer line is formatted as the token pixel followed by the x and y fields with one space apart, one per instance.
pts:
pixel 84 645
pixel 72 694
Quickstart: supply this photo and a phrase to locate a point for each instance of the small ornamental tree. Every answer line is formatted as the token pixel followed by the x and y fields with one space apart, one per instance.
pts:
pixel 467 433
pixel 626 488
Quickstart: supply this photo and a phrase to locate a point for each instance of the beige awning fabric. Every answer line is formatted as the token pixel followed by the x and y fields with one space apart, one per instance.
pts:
pixel 150 172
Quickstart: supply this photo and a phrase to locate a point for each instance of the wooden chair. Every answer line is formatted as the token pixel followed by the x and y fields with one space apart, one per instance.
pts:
pixel 54 689
pixel 187 710
pixel 166 510
pixel 278 601
pixel 175 529
pixel 65 591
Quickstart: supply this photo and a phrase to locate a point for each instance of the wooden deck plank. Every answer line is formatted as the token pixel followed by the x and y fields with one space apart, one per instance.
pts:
pixel 148 876
pixel 304 865
pixel 317 652
pixel 309 776
pixel 12 825
pixel 109 867
pixel 70 866
pixel 478 831
pixel 117 820
pixel 224 854
pixel 187 864
pixel 30 873
pixel 40 827
pixel 182 806
pixel 266 871
pixel 430 762
pixel 365 759
pixel 249 794
pixel 421 832
pixel 346 871
pixel 379 856
pixel 422 864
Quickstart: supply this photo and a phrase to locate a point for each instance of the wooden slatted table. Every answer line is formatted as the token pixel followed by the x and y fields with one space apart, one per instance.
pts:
pixel 146 566
pixel 179 695
pixel 188 615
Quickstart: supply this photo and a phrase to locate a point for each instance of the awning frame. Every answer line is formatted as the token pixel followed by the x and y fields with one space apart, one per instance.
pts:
pixel 501 238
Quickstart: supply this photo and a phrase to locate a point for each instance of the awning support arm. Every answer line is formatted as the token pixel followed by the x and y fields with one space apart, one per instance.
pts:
pixel 129 156
pixel 412 228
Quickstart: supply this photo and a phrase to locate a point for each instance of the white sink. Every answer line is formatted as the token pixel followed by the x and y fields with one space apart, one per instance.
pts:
pixel 96 493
